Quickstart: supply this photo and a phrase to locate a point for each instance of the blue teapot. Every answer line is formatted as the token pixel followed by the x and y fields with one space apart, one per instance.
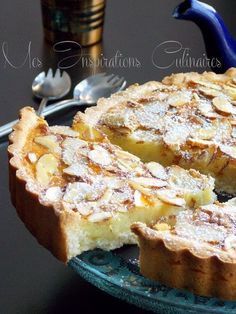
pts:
pixel 218 40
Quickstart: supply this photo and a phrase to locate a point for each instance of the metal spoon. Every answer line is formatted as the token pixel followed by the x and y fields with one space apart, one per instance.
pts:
pixel 87 92
pixel 47 87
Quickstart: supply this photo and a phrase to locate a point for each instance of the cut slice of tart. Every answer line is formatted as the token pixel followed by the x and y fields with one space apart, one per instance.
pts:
pixel 193 250
pixel 188 120
pixel 76 191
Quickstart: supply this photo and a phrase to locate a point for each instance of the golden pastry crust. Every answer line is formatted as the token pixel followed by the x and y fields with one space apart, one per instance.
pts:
pixel 43 221
pixel 182 258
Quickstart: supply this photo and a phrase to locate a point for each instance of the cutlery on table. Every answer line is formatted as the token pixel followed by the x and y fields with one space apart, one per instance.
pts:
pixel 87 92
pixel 47 87
pixel 50 87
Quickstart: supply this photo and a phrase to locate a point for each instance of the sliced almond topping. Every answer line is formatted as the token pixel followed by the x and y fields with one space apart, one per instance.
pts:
pixel 32 157
pixel 195 142
pixel 233 132
pixel 169 197
pixel 125 155
pixel 178 99
pixel 78 191
pixel 148 182
pixel 106 196
pixel 70 148
pixel 49 141
pixel 53 194
pixel 63 130
pixel 77 170
pixel 176 136
pixel 206 133
pixel 161 226
pixel 228 150
pixel 113 182
pixel 206 84
pixel 231 91
pixel 124 165
pixel 100 157
pixel 222 105
pixel 46 166
pixel 157 170
pixel 206 109
pixel 209 92
pixel 230 244
pixel 97 217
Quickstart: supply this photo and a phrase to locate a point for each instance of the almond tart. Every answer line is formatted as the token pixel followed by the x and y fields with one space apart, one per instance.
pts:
pixel 189 119
pixel 76 191
pixel 193 250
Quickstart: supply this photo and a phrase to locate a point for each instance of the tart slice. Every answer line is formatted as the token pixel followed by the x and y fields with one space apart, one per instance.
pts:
pixel 194 250
pixel 188 120
pixel 76 191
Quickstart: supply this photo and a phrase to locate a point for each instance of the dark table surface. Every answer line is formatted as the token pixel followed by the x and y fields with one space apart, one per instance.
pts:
pixel 31 279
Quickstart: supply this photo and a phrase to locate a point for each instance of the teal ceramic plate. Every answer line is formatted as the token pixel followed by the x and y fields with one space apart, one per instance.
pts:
pixel 117 273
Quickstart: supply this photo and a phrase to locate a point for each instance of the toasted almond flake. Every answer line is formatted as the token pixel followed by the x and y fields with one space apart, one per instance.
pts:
pixel 77 192
pixel 206 109
pixel 178 99
pixel 195 142
pixel 233 132
pixel 77 170
pixel 231 91
pixel 228 150
pixel 206 84
pixel 140 188
pixel 49 141
pixel 97 217
pixel 64 130
pixel 106 196
pixel 157 170
pixel 222 105
pixel 206 133
pixel 100 157
pixel 230 244
pixel 196 97
pixel 124 165
pixel 125 155
pixel 53 194
pixel 209 92
pixel 161 226
pixel 32 157
pixel 148 182
pixel 71 146
pixel 46 166
pixel 113 182
pixel 169 197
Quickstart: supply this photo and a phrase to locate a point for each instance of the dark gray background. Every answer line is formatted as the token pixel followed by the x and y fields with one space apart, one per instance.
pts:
pixel 31 279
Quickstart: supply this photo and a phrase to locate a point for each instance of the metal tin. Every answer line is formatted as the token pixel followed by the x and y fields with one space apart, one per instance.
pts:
pixel 78 20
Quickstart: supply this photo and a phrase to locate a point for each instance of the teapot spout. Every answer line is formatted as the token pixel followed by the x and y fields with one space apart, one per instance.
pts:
pixel 219 43
pixel 189 9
